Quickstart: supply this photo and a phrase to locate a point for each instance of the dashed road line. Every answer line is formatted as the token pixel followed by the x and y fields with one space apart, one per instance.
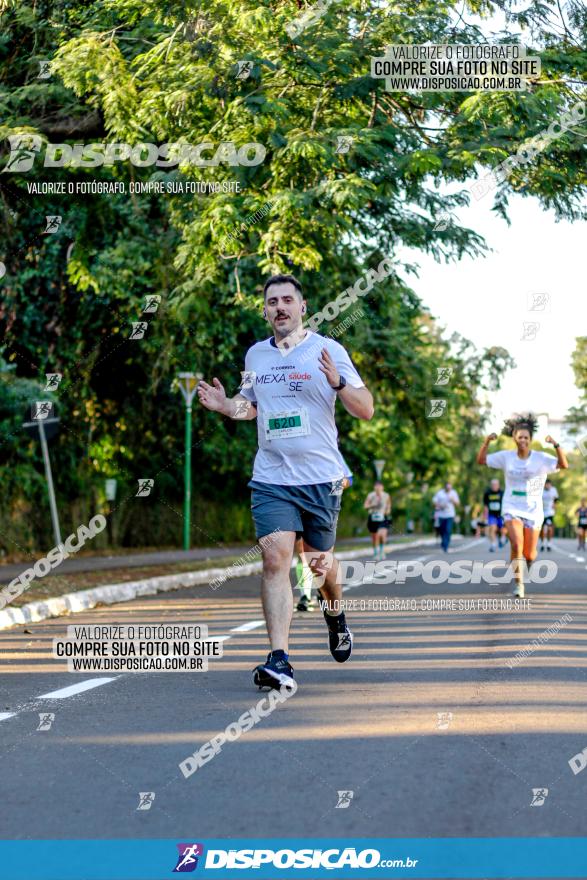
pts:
pixel 77 688
pixel 246 627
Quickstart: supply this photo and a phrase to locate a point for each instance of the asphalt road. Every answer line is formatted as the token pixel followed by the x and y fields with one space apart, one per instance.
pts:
pixel 370 726
pixel 137 560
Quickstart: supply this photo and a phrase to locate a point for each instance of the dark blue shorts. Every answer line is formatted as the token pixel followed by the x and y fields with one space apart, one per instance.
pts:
pixel 309 511
pixel 495 520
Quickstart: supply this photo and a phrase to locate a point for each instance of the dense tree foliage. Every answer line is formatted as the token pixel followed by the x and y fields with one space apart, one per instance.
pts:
pixel 124 71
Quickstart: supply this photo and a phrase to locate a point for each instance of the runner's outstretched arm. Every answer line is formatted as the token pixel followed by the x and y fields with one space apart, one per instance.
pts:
pixel 214 398
pixel 560 453
pixel 482 454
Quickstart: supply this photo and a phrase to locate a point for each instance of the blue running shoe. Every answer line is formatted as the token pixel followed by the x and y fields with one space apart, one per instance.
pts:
pixel 275 672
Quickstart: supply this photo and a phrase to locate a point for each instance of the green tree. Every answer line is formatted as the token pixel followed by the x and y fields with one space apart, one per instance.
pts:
pixel 166 72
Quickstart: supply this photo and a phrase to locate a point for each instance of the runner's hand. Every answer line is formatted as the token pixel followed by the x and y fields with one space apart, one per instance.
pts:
pixel 550 440
pixel 491 437
pixel 328 367
pixel 212 396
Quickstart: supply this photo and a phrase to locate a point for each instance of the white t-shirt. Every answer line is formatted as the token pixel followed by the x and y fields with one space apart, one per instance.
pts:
pixel 296 430
pixel 446 501
pixel 524 482
pixel 549 496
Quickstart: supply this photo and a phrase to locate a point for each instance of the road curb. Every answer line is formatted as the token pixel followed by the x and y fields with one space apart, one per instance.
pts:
pixel 110 594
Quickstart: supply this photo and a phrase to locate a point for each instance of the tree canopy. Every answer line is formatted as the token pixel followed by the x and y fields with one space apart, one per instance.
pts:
pixel 352 173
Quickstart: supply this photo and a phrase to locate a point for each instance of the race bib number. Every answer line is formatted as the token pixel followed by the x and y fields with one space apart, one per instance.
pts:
pixel 279 425
pixel 494 505
pixel 377 517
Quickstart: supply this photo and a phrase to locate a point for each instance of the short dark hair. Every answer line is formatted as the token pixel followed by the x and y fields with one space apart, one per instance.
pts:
pixel 283 279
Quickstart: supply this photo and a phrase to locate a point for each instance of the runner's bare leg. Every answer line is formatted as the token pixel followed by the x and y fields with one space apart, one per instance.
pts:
pixel 276 591
pixel 326 569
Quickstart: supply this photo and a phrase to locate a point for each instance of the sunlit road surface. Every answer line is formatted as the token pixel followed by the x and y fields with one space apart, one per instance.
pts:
pixel 434 725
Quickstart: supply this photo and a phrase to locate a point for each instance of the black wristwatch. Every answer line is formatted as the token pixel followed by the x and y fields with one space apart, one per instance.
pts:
pixel 342 384
pixel 556 445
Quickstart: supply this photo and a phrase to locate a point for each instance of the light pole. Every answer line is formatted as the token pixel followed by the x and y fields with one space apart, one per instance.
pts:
pixel 110 486
pixel 409 523
pixel 43 426
pixel 188 382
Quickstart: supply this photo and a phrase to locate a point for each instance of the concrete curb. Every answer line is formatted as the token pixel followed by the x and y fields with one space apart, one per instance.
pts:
pixel 109 594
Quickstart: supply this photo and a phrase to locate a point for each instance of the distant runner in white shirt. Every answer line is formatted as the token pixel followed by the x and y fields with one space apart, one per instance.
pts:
pixel 549 499
pixel 525 473
pixel 445 501
pixel 291 383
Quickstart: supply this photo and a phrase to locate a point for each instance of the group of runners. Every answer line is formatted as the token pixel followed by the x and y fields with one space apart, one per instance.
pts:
pixel 299 473
pixel 493 524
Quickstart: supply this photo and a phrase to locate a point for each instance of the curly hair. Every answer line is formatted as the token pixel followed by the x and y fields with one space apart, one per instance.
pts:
pixel 527 421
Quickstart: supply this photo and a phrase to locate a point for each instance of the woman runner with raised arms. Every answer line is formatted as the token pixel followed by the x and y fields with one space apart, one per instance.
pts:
pixel 525 472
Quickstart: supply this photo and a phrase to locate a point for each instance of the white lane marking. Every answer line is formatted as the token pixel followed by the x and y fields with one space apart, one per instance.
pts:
pixel 470 544
pixel 82 686
pixel 72 689
pixel 246 627
pixel 565 553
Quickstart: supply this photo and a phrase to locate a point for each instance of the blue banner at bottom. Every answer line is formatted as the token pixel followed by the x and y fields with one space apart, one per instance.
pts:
pixel 273 859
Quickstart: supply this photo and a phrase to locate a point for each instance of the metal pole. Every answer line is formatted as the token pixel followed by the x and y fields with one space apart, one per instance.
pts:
pixel 49 478
pixel 187 477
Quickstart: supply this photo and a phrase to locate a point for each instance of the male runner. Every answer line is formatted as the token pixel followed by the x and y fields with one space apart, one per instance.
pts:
pixel 581 514
pixel 298 473
pixel 378 503
pixel 445 501
pixel 492 514
pixel 549 500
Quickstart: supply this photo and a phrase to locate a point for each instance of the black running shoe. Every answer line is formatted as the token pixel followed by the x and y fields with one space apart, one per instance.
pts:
pixel 340 638
pixel 274 673
pixel 306 603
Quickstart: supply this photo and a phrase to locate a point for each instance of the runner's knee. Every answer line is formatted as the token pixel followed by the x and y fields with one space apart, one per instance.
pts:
pixel 276 558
